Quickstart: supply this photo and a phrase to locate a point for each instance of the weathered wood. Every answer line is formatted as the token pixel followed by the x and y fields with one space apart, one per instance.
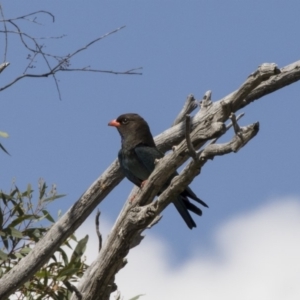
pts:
pixel 98 281
pixel 138 215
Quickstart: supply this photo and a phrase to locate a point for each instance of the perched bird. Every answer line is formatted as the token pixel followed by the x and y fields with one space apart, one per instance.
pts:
pixel 137 157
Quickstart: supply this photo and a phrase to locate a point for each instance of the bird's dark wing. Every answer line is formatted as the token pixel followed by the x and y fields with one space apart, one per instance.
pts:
pixel 127 171
pixel 147 155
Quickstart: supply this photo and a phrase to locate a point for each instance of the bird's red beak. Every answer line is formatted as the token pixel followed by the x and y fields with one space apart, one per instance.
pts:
pixel 114 123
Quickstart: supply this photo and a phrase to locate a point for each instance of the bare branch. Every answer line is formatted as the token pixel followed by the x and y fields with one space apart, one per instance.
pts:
pixel 62 63
pixel 206 102
pixel 5 32
pixel 137 217
pixel 227 128
pixel 72 288
pixel 128 72
pixel 189 105
pixel 93 42
pixel 3 66
pixel 238 141
pixel 194 167
pixel 236 126
pixel 24 17
pixel 205 125
pixel 190 146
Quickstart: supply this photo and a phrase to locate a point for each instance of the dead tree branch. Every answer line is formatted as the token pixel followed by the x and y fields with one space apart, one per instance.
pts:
pixel 192 151
pixel 98 281
pixel 189 106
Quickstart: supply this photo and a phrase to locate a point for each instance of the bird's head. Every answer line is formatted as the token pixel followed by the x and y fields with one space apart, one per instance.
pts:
pixel 133 129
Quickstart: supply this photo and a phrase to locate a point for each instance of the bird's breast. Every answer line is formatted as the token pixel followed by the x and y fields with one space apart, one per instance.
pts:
pixel 131 163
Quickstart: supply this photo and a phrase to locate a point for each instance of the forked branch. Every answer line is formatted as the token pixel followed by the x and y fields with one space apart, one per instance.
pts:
pixel 98 281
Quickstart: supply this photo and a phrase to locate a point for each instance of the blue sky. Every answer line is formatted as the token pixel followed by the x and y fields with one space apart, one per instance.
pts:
pixel 183 47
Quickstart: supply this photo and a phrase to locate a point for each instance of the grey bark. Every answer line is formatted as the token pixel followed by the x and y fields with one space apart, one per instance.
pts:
pixel 98 281
pixel 208 123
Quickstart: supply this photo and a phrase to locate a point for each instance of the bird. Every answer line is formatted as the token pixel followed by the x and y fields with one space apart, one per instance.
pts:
pixel 137 155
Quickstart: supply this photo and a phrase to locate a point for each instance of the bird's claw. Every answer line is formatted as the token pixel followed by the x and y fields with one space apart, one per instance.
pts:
pixel 143 183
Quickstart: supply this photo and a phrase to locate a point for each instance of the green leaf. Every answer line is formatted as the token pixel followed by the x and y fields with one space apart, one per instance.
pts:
pixel 13 192
pixel 64 256
pixel 1 217
pixel 41 273
pixel 3 255
pixel 66 243
pixel 48 216
pixel 73 237
pixel 34 233
pixel 46 280
pixel 14 232
pixel 19 220
pixel 4 134
pixel 25 250
pixel 18 207
pixel 4 198
pixel 43 190
pixel 67 272
pixel 4 149
pixel 19 255
pixel 52 198
pixel 29 189
pixel 5 242
pixel 79 249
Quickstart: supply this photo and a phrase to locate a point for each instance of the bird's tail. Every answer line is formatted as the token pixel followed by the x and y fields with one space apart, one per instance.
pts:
pixel 182 209
pixel 189 193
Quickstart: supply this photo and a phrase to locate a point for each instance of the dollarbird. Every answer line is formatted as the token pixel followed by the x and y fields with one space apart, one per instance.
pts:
pixel 137 156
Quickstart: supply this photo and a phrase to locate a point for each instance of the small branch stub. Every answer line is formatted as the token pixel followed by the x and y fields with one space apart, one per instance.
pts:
pixel 236 126
pixel 206 102
pixel 244 135
pixel 3 66
pixel 189 105
pixel 190 146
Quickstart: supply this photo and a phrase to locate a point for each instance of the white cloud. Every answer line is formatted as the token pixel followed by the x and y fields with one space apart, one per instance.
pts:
pixel 255 256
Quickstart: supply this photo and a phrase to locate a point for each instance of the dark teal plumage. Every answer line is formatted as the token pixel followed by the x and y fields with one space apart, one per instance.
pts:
pixel 137 157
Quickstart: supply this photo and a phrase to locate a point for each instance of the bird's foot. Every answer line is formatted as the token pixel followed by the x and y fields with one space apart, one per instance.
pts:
pixel 132 199
pixel 143 183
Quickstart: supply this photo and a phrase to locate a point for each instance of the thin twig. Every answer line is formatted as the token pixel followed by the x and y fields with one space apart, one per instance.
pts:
pixel 5 31
pixel 72 288
pixel 227 128
pixel 129 72
pixel 92 42
pixel 97 229
pixel 34 13
pixel 236 126
pixel 63 62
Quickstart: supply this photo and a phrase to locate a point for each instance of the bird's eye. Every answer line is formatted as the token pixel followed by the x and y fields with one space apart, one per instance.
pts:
pixel 124 121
